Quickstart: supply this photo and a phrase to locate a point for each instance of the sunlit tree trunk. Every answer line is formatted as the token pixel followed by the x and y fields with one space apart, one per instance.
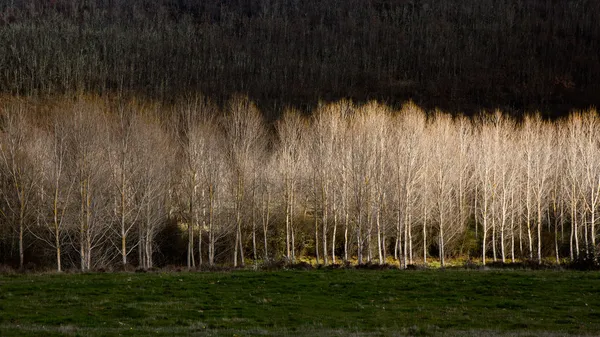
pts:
pixel 19 169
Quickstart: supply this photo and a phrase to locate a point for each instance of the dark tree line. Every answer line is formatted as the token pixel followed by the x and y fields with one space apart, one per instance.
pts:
pixel 93 183
pixel 459 55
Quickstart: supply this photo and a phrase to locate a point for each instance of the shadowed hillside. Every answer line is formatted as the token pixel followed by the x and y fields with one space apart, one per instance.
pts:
pixel 458 55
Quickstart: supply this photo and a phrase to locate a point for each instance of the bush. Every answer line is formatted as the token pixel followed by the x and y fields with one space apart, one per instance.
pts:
pixel 272 265
pixel 587 259
pixel 6 269
pixel 416 267
pixel 300 266
pixel 127 268
pixel 470 264
pixel 375 266
pixel 523 265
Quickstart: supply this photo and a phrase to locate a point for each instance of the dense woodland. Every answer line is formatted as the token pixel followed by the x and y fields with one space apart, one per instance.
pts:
pixel 227 132
pixel 92 183
pixel 457 55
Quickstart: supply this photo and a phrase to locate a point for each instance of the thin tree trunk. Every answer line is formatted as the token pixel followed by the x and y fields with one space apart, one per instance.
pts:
pixel 201 227
pixel 317 256
pixel 442 253
pixel 528 206
pixel 512 227
pixel 484 230
pixel 324 223
pixel 82 232
pixel 576 230
pixel 190 249
pixel 556 242
pixel 21 232
pixel 539 231
pixel 512 240
pixel 585 233
pixel 502 254
pixel 211 230
pixel 335 219
pixel 379 251
pixel 410 247
pixel 494 255
pixel 293 243
pixel 530 238
pixel 383 242
pixel 123 206
pixel 475 212
pixel 57 230
pixel 140 248
pixel 346 225
pixel 254 251
pixel 288 206
pixel 593 224
pixel 88 222
pixel 369 233
pixel 406 226
pixel 425 236
pixel 359 237
pixel 346 215
pixel 572 236
pixel 235 248
pixel 398 236
pixel 238 221
pixel 266 214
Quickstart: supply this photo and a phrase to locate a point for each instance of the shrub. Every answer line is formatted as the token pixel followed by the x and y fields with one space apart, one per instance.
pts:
pixel 587 259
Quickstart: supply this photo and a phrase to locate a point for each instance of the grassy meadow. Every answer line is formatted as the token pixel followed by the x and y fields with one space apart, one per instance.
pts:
pixel 304 303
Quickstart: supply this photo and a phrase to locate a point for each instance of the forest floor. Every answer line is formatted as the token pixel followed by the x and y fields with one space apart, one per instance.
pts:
pixel 302 303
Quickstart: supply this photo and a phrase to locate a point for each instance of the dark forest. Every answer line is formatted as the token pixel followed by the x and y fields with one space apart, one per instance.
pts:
pixel 461 56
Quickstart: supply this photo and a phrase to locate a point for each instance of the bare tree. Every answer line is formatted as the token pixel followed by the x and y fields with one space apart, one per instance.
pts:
pixel 497 174
pixel 292 132
pixel 19 167
pixel 344 168
pixel 465 165
pixel 328 125
pixel 362 162
pixel 85 122
pixel 573 133
pixel 425 202
pixel 443 147
pixel 486 182
pixel 407 143
pixel 57 183
pixel 269 183
pixel 504 169
pixel 120 153
pixel 539 153
pixel 245 138
pixel 212 166
pixel 589 147
pixel 195 127
pixel 379 126
pixel 150 185
pixel 527 140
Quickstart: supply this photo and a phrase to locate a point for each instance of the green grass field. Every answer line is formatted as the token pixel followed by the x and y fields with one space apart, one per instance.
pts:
pixel 302 303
